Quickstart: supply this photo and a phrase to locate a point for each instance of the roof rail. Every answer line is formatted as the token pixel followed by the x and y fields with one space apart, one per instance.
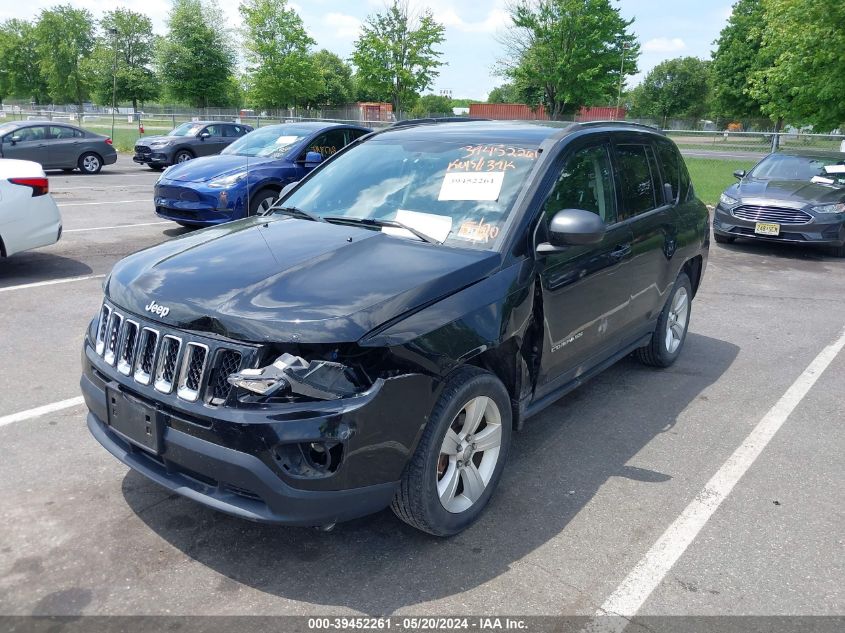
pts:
pixel 638 126
pixel 430 121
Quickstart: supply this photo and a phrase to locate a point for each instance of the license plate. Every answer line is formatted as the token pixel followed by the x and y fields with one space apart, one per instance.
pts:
pixel 767 228
pixel 139 423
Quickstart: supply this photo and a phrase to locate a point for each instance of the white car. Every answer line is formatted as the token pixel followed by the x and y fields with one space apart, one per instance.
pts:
pixel 29 217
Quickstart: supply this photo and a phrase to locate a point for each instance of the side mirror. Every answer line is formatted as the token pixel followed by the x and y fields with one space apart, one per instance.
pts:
pixel 286 189
pixel 15 140
pixel 739 174
pixel 204 136
pixel 573 227
pixel 312 159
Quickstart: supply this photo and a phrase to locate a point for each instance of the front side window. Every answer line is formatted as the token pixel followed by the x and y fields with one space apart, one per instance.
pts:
pixel 638 190
pixel 458 194
pixel 329 143
pixel 586 183
pixel 25 134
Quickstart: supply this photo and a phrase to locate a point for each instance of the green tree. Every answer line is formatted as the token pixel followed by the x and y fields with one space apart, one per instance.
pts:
pixel 565 54
pixel 125 47
pixel 19 62
pixel 335 77
pixel 676 87
pixel 799 77
pixel 65 43
pixel 506 93
pixel 195 59
pixel 432 105
pixel 736 58
pixel 396 54
pixel 280 71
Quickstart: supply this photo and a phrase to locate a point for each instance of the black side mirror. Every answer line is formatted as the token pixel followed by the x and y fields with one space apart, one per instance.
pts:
pixel 573 227
pixel 739 174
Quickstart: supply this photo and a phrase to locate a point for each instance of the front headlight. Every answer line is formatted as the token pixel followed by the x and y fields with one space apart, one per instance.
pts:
pixel 838 207
pixel 159 144
pixel 224 182
pixel 322 379
pixel 727 201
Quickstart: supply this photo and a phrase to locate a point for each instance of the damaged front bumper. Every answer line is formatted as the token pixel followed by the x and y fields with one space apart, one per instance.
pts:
pixel 293 463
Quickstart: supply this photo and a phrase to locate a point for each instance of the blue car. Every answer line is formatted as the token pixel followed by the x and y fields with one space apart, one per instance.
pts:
pixel 246 178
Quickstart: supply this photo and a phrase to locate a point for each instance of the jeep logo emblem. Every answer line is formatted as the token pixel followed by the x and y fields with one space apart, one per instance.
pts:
pixel 155 308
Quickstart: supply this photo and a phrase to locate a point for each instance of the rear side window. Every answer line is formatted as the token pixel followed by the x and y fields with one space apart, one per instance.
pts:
pixel 351 135
pixel 674 172
pixel 61 132
pixel 638 180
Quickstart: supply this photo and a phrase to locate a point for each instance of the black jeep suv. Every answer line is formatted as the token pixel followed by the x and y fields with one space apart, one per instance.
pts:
pixel 374 339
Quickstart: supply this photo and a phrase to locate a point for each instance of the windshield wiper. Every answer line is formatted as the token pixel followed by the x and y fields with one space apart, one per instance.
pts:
pixel 382 223
pixel 296 213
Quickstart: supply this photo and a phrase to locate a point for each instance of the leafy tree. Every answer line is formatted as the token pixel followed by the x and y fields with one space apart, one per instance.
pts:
pixel 396 54
pixel 19 62
pixel 195 59
pixel 736 58
pixel 564 54
pixel 676 87
pixel 432 105
pixel 335 77
pixel 280 72
pixel 506 93
pixel 65 42
pixel 799 76
pixel 124 54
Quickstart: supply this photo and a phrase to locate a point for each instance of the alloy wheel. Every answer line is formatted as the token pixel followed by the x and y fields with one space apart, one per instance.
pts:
pixel 469 454
pixel 91 163
pixel 676 323
pixel 183 157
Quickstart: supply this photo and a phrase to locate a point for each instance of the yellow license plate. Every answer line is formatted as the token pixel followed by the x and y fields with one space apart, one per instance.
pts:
pixel 767 228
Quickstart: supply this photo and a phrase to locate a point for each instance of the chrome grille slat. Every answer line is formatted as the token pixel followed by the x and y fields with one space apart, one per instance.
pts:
pixel 193 368
pixel 146 356
pixel 779 215
pixel 128 346
pixel 168 357
pixel 102 326
pixel 112 337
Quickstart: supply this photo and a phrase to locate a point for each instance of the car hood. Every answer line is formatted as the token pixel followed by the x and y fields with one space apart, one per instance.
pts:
pixel 145 142
pixel 210 167
pixel 796 192
pixel 291 280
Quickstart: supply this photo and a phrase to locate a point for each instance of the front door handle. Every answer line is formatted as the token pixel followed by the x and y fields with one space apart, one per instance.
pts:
pixel 621 251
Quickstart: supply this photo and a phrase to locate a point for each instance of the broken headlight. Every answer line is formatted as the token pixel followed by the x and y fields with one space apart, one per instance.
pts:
pixel 320 379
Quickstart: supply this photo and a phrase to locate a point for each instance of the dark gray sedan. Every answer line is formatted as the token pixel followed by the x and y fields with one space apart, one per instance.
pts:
pixel 187 141
pixel 791 196
pixel 56 145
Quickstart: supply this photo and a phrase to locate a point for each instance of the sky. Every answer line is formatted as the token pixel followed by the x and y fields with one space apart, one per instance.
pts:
pixel 664 29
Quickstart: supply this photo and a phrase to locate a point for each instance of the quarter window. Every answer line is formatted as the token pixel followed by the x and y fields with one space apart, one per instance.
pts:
pixel 584 183
pixel 638 181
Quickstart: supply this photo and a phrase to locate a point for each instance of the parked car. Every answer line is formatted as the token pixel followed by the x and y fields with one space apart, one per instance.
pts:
pixel 29 218
pixel 248 175
pixel 791 196
pixel 374 340
pixel 56 146
pixel 187 141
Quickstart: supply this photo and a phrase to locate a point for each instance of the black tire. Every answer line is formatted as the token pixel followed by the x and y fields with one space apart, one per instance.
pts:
pixel 156 167
pixel 723 239
pixel 417 502
pixel 836 251
pixel 182 156
pixel 258 200
pixel 68 170
pixel 189 225
pixel 657 352
pixel 90 163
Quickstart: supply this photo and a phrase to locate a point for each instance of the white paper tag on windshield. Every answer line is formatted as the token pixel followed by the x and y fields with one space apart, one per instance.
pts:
pixel 835 169
pixel 430 224
pixel 821 180
pixel 484 185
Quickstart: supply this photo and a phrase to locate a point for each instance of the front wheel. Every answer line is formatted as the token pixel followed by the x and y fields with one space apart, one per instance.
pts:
pixel 90 163
pixel 261 202
pixel 182 156
pixel 671 331
pixel 460 457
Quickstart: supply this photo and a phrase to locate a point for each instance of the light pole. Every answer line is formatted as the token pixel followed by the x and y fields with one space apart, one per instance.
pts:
pixel 113 32
pixel 621 75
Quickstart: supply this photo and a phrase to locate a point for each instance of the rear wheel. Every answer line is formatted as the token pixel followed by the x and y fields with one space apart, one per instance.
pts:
pixel 723 239
pixel 668 338
pixel 261 202
pixel 90 163
pixel 182 156
pixel 460 457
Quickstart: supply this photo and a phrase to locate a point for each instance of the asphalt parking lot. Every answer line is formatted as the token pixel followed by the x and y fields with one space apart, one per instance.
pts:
pixel 591 487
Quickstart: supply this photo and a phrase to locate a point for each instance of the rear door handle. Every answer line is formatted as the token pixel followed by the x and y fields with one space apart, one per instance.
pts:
pixel 620 252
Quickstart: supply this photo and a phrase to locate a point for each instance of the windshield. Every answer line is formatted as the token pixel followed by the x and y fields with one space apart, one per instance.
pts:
pixel 272 141
pixel 457 194
pixel 186 129
pixel 805 168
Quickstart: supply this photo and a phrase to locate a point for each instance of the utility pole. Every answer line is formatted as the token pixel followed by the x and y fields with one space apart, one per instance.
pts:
pixel 113 32
pixel 621 75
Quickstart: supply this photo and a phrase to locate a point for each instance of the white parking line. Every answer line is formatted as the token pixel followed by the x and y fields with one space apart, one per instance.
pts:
pixel 51 282
pixel 101 187
pixel 90 204
pixel 117 226
pixel 39 411
pixel 644 578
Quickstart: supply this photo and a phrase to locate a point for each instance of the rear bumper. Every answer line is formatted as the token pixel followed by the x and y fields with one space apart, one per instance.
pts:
pixel 820 231
pixel 41 225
